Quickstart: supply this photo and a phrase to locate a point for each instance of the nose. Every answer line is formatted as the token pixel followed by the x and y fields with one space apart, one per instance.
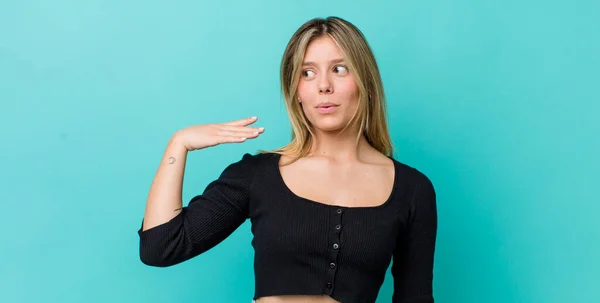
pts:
pixel 325 86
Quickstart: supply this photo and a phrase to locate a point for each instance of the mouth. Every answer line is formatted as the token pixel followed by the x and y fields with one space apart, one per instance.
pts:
pixel 327 108
pixel 327 105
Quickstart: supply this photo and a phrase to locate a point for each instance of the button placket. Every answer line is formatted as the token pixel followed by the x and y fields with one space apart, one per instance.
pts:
pixel 334 247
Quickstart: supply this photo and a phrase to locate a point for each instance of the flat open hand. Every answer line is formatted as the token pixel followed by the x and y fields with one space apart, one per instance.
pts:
pixel 207 135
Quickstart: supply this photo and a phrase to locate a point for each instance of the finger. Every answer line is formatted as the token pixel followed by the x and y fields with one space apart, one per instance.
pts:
pixel 239 134
pixel 242 122
pixel 241 128
pixel 229 139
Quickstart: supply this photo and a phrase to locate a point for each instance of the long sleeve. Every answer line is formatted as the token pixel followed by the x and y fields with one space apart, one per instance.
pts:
pixel 413 258
pixel 208 219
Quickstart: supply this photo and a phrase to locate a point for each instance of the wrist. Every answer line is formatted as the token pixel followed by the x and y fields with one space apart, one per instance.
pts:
pixel 178 142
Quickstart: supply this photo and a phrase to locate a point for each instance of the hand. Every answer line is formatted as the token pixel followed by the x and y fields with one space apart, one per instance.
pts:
pixel 208 135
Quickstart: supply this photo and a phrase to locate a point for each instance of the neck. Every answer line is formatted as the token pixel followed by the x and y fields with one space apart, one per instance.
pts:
pixel 339 146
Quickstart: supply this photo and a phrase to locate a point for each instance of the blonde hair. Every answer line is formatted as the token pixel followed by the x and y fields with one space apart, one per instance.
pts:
pixel 371 111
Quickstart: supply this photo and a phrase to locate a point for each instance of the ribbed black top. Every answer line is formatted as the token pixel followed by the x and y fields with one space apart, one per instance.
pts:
pixel 304 247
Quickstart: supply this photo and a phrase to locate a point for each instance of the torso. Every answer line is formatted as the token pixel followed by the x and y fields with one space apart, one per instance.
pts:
pixel 359 184
pixel 366 183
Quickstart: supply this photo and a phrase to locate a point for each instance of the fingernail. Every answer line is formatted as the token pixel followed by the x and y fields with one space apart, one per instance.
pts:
pixel 253 117
pixel 261 128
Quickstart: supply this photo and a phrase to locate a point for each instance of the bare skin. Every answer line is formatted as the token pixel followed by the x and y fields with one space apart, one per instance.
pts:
pixel 164 199
pixel 365 181
pixel 339 171
pixel 347 173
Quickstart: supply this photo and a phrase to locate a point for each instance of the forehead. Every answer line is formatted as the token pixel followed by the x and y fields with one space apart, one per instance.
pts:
pixel 322 49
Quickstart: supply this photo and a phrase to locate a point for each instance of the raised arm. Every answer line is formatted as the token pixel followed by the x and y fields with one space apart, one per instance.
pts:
pixel 171 233
pixel 413 259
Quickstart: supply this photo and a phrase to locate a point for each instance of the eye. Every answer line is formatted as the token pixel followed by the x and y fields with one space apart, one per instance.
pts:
pixel 340 69
pixel 307 73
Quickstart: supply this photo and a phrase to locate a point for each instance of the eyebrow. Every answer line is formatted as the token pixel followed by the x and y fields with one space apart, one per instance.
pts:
pixel 331 62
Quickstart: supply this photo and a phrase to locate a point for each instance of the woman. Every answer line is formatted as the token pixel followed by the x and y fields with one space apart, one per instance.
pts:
pixel 331 209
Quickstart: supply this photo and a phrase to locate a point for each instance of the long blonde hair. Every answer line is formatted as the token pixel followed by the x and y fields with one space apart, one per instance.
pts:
pixel 371 111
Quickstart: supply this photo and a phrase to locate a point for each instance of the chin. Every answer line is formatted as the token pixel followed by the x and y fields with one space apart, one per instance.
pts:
pixel 330 126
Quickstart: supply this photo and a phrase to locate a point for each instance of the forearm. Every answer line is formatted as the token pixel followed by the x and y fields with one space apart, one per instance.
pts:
pixel 165 196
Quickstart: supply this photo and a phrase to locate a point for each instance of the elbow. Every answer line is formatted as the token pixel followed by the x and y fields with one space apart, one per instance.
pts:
pixel 164 245
pixel 161 255
pixel 155 259
pixel 150 261
pixel 164 252
pixel 154 262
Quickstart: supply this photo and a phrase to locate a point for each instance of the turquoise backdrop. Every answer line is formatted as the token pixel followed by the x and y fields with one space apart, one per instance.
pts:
pixel 496 101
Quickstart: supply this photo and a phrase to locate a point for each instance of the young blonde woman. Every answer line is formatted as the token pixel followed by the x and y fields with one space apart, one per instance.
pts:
pixel 331 210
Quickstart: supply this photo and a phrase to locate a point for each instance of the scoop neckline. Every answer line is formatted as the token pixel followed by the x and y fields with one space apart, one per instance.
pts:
pixel 277 156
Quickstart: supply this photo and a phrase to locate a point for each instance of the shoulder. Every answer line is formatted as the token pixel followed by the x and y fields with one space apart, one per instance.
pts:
pixel 420 189
pixel 251 161
pixel 412 176
pixel 243 169
pixel 257 157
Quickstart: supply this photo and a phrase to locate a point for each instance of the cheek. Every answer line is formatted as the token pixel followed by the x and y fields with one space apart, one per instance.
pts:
pixel 348 89
pixel 304 90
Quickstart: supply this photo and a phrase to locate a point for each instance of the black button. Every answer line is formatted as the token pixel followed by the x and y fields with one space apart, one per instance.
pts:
pixel 332 265
pixel 328 285
pixel 336 246
pixel 339 211
pixel 338 227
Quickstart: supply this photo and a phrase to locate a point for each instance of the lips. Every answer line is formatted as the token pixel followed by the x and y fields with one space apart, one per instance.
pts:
pixel 326 105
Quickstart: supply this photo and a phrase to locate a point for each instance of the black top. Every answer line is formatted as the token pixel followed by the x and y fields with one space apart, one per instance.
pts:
pixel 303 247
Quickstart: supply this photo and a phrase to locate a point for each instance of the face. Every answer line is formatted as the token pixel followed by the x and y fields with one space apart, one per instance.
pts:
pixel 327 89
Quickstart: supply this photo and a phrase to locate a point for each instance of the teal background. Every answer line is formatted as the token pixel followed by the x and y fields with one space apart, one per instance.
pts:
pixel 497 102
